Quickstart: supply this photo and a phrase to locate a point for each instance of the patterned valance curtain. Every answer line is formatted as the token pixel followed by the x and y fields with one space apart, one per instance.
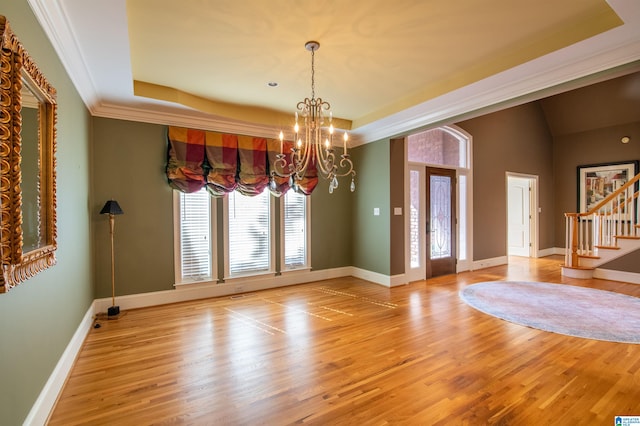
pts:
pixel 186 159
pixel 224 162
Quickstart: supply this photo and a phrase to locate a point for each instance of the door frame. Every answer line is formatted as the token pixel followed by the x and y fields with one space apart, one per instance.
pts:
pixel 464 210
pixel 534 211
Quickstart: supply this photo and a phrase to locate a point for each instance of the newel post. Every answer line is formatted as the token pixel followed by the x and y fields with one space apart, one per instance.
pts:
pixel 572 238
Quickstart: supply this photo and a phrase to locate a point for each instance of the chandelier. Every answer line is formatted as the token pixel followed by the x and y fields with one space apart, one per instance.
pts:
pixel 313 143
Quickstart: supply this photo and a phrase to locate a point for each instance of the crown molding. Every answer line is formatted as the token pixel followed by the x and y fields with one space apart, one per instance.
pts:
pixel 582 62
pixel 557 72
pixel 55 23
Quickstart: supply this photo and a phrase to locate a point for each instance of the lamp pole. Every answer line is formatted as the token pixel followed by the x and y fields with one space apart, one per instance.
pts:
pixel 112 208
pixel 113 310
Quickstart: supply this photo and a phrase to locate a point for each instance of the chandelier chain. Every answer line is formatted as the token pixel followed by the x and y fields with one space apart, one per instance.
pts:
pixel 313 74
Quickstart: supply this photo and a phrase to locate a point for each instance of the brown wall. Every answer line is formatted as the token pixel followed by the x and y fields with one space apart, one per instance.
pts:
pixel 587 125
pixel 514 140
pixel 396 198
pixel 591 147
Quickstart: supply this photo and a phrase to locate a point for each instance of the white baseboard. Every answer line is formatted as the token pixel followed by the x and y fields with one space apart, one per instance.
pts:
pixel 377 278
pixel 610 274
pixel 398 280
pixel 551 251
pixel 46 400
pixel 188 292
pixel 581 274
pixel 487 263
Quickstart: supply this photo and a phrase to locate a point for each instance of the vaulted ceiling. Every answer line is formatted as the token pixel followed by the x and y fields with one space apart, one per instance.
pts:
pixel 609 103
pixel 385 67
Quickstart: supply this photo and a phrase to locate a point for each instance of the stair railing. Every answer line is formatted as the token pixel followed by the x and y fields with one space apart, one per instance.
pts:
pixel 614 217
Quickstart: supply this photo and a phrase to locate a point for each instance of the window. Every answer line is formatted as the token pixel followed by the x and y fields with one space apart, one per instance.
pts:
pixel 248 234
pixel 295 230
pixel 438 147
pixel 194 236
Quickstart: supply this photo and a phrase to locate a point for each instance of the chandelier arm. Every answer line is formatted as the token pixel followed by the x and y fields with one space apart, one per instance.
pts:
pixel 292 162
pixel 322 168
pixel 279 167
pixel 303 162
pixel 323 154
pixel 325 159
pixel 345 163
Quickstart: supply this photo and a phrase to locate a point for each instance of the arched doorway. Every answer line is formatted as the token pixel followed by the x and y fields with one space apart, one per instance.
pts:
pixel 439 202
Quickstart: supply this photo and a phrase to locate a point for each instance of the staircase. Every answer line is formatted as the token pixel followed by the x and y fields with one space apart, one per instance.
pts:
pixel 611 229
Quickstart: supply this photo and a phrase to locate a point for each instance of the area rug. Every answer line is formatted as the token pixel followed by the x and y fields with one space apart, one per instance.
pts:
pixel 559 308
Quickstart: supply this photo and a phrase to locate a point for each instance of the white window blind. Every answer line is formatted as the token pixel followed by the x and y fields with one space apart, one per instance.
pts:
pixel 195 235
pixel 295 230
pixel 249 233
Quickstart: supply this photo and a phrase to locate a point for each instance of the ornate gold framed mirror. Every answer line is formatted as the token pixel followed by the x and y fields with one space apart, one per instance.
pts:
pixel 27 164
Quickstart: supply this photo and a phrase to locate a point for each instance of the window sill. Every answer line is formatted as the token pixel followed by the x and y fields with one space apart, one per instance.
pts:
pixel 196 283
pixel 260 276
pixel 301 269
pixel 249 276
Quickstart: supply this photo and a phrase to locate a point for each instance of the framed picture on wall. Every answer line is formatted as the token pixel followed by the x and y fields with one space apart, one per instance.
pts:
pixel 597 181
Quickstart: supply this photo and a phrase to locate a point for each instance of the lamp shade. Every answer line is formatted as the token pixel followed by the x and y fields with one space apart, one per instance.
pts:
pixel 111 207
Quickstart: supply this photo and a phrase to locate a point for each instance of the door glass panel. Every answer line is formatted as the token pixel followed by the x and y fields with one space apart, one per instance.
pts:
pixel 462 217
pixel 440 216
pixel 414 218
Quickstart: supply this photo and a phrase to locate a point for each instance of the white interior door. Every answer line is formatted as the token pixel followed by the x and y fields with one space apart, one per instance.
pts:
pixel 519 216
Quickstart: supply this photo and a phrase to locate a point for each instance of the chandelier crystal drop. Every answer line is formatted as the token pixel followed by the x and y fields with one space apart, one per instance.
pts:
pixel 313 142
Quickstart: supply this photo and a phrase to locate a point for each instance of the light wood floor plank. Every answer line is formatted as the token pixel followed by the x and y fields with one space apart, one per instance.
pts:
pixel 345 351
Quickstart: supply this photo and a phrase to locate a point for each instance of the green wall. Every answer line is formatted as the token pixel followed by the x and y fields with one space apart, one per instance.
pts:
pixel 371 237
pixel 129 166
pixel 331 239
pixel 38 317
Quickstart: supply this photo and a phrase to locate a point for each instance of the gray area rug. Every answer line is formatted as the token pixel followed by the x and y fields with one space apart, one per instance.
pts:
pixel 559 308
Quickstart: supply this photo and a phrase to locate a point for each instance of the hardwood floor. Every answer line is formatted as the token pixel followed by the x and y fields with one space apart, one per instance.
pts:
pixel 346 351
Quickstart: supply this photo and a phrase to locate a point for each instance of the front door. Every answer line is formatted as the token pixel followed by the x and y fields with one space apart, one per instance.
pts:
pixel 441 221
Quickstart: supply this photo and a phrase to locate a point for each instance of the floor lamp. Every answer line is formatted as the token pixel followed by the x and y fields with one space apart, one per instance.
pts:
pixel 112 208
